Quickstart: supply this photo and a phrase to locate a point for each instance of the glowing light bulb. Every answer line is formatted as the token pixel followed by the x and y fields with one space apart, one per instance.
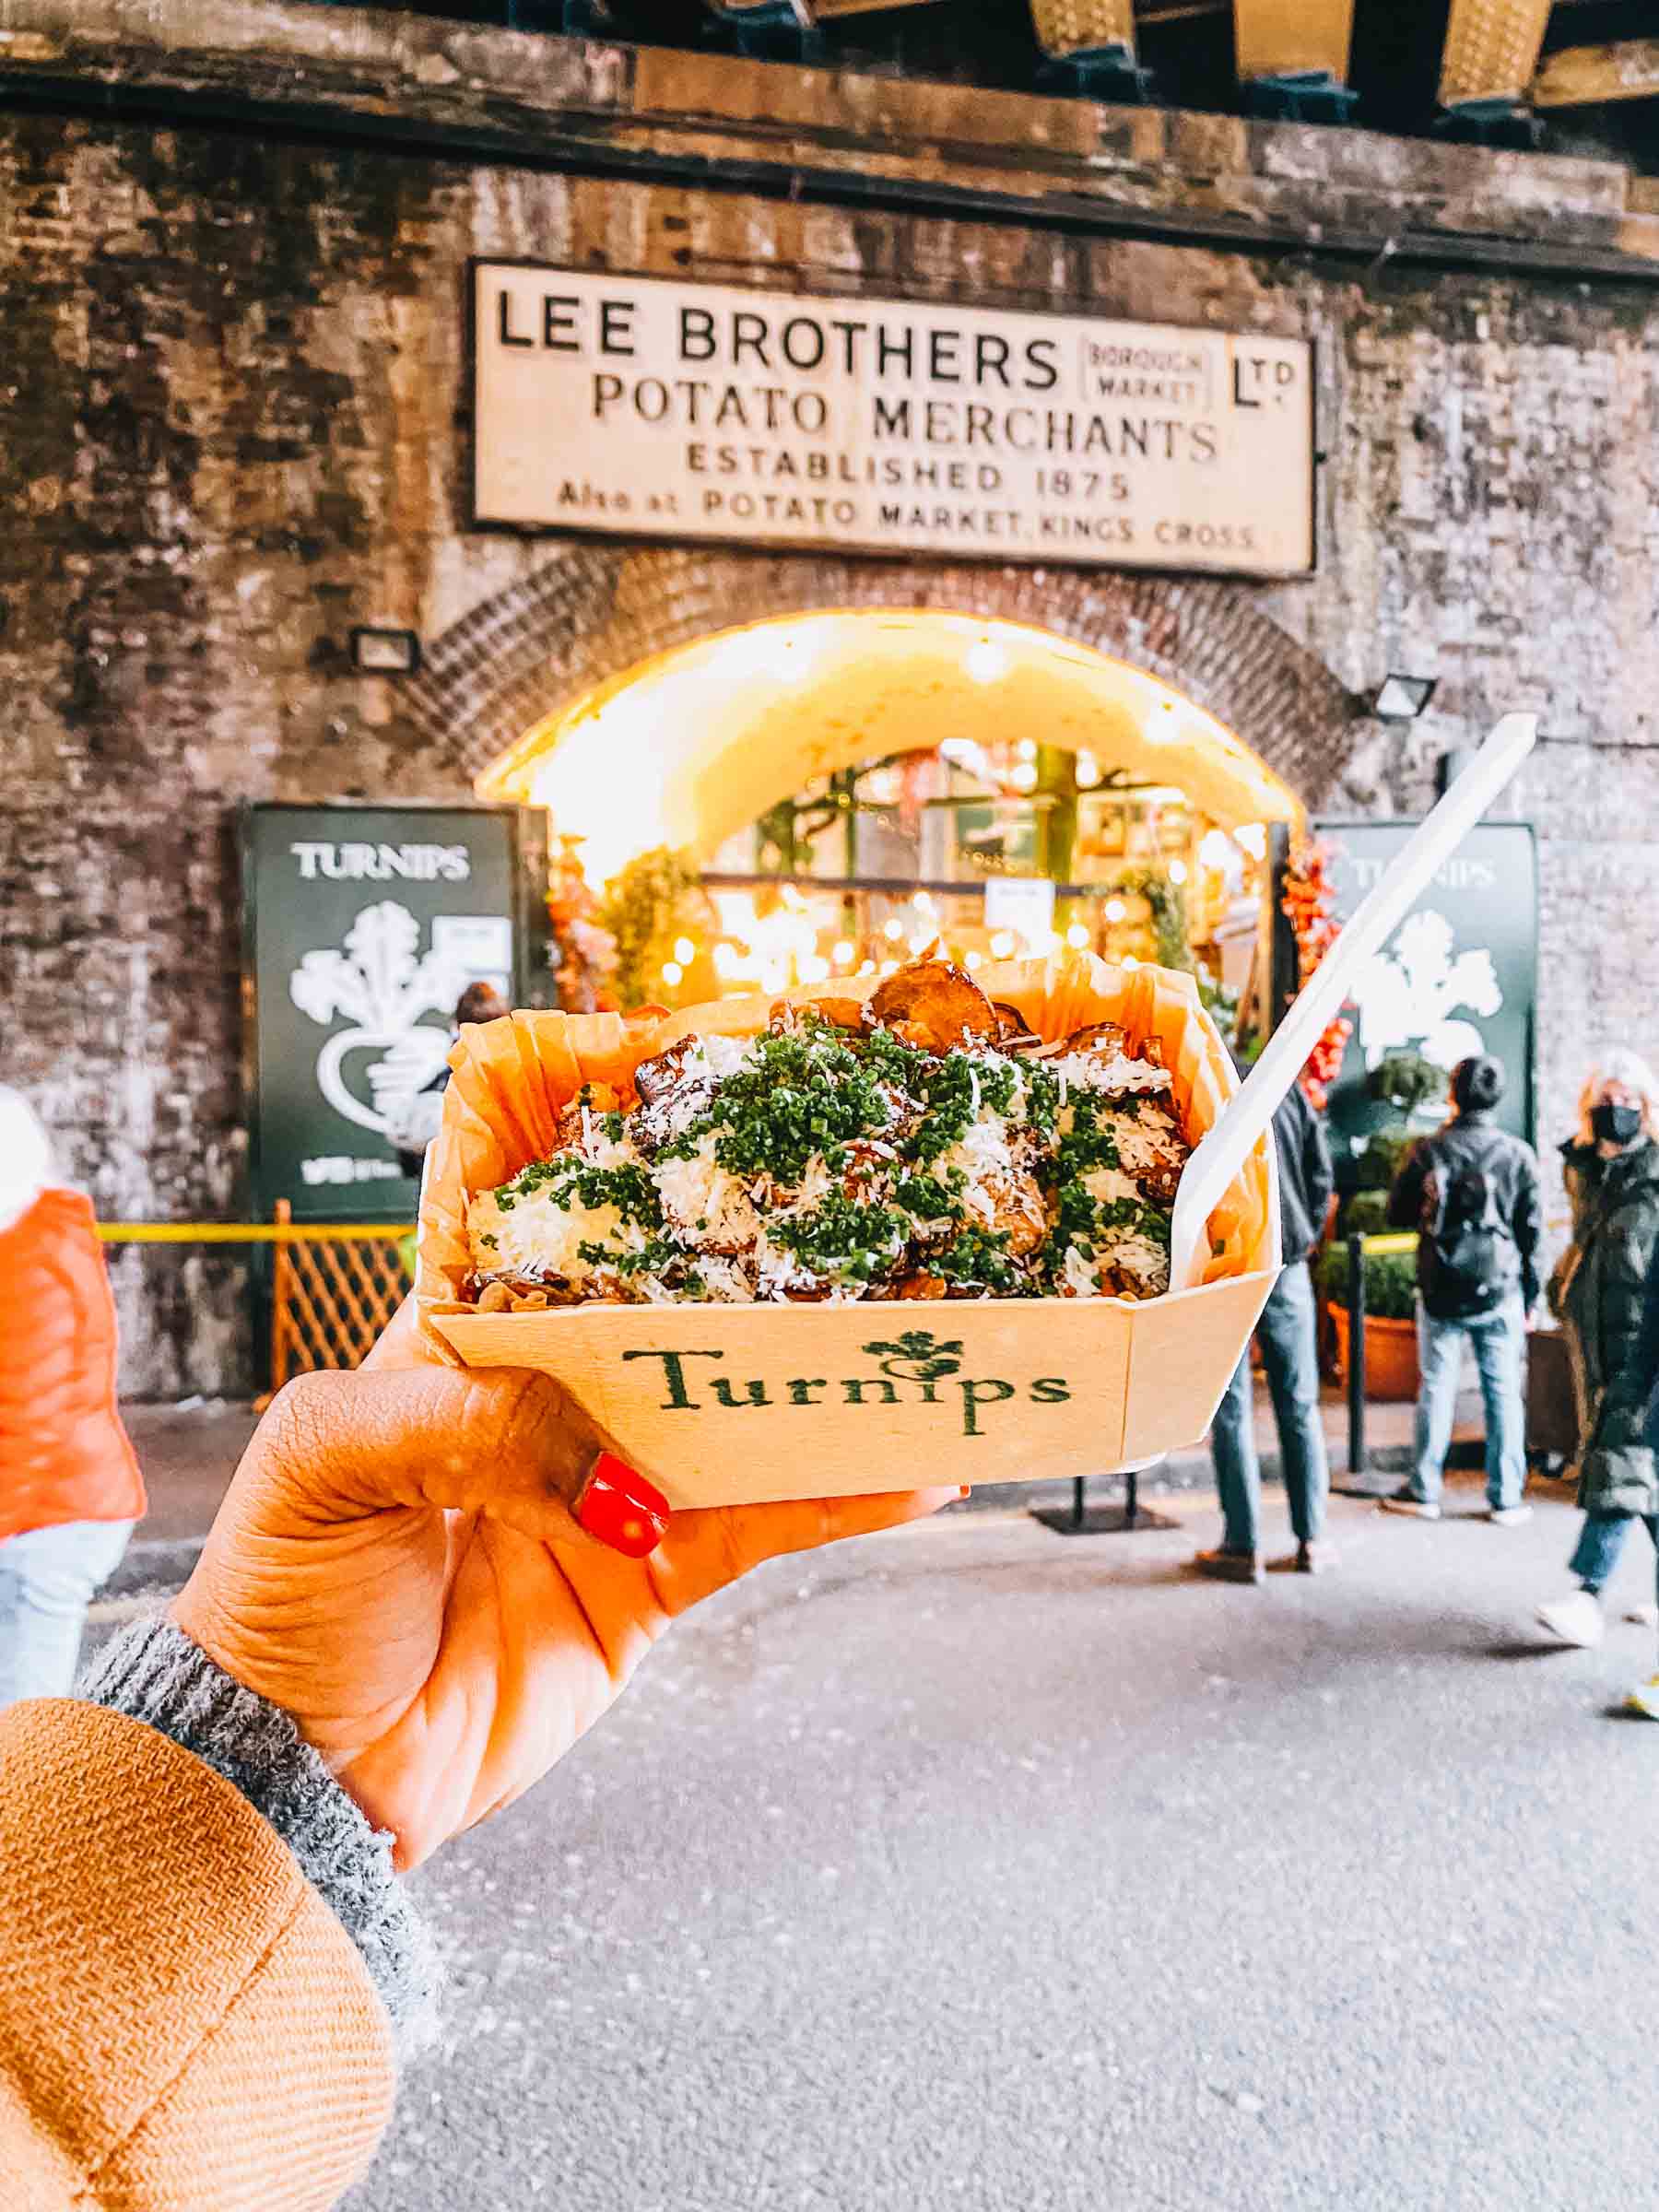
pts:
pixel 1023 777
pixel 1077 936
pixel 975 959
pixel 1114 910
pixel 1252 836
pixel 892 929
pixel 923 903
pixel 1088 770
pixel 1002 945
pixel 1130 960
pixel 684 952
pixel 842 954
pixel 672 974
pixel 866 968
pixel 889 968
pixel 1026 749
pixel 1177 871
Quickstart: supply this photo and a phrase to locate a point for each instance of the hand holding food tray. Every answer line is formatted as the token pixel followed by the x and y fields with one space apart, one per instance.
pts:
pixel 910 1229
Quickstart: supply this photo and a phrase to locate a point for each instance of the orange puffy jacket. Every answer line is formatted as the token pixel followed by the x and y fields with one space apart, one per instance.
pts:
pixel 64 1454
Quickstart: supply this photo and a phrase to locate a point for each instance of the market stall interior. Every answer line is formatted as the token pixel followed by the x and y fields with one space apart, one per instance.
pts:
pixel 828 793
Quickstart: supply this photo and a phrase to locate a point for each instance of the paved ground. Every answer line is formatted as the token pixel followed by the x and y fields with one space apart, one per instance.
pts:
pixel 976 1866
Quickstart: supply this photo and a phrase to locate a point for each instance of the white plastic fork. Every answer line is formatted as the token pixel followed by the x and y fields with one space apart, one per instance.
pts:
pixel 1224 1150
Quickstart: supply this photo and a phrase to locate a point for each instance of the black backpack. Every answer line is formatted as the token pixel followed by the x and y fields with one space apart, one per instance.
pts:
pixel 1474 1258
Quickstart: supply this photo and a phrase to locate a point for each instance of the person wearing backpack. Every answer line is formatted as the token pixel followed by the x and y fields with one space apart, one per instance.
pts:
pixel 1471 1192
pixel 1608 1296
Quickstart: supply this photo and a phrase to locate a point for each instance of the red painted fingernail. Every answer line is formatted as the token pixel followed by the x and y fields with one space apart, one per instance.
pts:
pixel 619 1507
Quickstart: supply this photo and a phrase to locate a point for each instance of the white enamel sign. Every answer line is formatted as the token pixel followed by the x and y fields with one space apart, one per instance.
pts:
pixel 640 407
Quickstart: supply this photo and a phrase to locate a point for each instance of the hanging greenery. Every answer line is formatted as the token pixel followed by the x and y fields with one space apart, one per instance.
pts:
pixel 656 897
pixel 1172 947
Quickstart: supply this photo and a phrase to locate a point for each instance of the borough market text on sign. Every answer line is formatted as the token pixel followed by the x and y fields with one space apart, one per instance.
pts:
pixel 646 407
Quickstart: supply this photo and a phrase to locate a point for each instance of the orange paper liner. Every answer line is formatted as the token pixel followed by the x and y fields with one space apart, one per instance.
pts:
pixel 513 1078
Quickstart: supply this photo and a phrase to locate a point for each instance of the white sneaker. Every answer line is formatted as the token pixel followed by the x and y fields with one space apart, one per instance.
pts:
pixel 1644 1699
pixel 1509 1516
pixel 1577 1620
pixel 1418 1508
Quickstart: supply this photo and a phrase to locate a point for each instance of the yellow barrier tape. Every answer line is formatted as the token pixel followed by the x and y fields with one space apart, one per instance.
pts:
pixel 246 1232
pixel 1404 1241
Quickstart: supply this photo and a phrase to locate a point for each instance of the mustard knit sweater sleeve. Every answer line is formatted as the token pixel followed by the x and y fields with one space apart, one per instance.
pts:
pixel 186 2025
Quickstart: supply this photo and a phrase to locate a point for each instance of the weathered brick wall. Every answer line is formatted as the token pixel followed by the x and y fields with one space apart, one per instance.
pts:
pixel 228 383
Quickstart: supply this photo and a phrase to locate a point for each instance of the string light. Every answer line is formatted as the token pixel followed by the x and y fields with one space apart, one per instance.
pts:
pixel 923 903
pixel 1114 910
pixel 1023 777
pixel 1076 936
pixel 975 959
pixel 1177 871
pixel 1130 960
pixel 844 953
pixel 684 952
pixel 1002 945
pixel 866 968
pixel 672 974
pixel 892 929
pixel 889 968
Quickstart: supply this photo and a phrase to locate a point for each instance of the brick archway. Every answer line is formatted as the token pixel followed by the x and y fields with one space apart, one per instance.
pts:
pixel 592 610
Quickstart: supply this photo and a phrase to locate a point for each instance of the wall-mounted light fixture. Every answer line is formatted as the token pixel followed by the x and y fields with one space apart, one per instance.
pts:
pixel 376 651
pixel 1403 697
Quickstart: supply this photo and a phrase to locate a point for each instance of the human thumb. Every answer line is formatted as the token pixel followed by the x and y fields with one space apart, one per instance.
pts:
pixel 506 1442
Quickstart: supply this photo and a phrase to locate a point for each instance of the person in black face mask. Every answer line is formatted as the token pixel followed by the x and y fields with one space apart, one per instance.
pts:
pixel 1599 1291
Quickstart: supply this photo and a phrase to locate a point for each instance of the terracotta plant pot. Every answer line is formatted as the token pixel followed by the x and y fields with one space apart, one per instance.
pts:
pixel 1390 1355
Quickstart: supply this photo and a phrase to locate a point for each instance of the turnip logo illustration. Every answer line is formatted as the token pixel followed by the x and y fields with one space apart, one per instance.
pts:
pixel 917 1357
pixel 381 986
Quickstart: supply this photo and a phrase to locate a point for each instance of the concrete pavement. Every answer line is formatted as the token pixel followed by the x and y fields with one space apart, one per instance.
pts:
pixel 974 1867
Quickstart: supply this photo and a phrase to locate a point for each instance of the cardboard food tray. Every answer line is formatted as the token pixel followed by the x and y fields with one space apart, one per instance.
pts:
pixel 731 1404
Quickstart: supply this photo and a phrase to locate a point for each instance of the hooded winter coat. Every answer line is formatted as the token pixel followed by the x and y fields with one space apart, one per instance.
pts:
pixel 1601 1304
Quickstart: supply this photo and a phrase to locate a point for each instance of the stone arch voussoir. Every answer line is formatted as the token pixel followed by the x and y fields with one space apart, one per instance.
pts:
pixel 594 609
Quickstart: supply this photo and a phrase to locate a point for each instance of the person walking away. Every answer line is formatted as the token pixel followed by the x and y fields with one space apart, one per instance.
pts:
pixel 1602 1295
pixel 1287 1335
pixel 1471 1192
pixel 70 1489
pixel 411 1126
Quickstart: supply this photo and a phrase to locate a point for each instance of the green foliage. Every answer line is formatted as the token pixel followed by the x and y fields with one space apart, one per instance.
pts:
pixel 1384 1157
pixel 645 908
pixel 1366 1214
pixel 1168 901
pixel 1405 1081
pixel 1390 1281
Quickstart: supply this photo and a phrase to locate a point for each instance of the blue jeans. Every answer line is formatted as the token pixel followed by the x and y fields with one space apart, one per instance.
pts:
pixel 1289 1345
pixel 47 1578
pixel 1499 1340
pixel 1601 1540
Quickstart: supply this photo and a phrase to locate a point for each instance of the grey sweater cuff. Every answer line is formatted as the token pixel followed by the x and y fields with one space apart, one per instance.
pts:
pixel 155 1674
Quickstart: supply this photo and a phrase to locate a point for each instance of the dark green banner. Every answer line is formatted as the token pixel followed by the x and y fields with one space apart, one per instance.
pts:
pixel 363 926
pixel 1459 976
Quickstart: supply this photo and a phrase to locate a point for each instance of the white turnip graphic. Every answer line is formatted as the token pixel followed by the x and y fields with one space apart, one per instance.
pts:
pixel 1409 994
pixel 382 986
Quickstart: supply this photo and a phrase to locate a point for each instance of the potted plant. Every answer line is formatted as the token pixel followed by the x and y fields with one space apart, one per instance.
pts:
pixel 1391 1344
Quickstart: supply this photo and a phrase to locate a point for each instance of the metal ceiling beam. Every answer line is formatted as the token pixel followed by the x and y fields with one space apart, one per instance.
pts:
pixel 1294 39
pixel 1580 76
pixel 1491 51
pixel 1071 30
